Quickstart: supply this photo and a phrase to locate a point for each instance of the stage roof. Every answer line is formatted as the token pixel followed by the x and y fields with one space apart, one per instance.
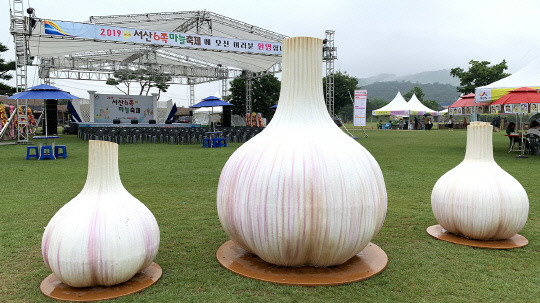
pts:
pixel 74 53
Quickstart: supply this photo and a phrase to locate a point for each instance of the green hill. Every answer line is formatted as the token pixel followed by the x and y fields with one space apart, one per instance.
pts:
pixel 445 94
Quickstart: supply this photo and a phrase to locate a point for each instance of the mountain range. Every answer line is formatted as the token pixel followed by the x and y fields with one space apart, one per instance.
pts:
pixel 436 85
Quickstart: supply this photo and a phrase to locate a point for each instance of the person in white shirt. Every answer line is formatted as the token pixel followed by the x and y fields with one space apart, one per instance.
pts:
pixel 533 128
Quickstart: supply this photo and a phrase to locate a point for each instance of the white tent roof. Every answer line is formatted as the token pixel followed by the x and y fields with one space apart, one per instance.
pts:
pixel 398 106
pixel 528 76
pixel 103 56
pixel 416 106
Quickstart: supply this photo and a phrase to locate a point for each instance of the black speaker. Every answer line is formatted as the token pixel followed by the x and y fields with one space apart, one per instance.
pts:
pixel 168 122
pixel 51 117
pixel 116 121
pixel 152 121
pixel 134 121
pixel 226 116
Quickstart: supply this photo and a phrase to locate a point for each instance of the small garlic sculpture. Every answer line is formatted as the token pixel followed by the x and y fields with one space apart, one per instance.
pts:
pixel 104 236
pixel 302 192
pixel 478 199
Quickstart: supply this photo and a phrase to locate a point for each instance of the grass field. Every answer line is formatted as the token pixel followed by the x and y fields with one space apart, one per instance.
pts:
pixel 178 183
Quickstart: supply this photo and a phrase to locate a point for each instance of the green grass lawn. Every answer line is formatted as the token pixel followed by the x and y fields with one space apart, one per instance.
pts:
pixel 178 183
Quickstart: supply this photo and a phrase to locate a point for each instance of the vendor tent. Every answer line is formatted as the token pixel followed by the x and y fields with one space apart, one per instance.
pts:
pixel 464 105
pixel 528 76
pixel 397 107
pixel 523 100
pixel 417 108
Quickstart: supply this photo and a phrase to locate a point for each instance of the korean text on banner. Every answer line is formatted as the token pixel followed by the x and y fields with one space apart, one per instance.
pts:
pixel 144 36
pixel 360 101
pixel 124 107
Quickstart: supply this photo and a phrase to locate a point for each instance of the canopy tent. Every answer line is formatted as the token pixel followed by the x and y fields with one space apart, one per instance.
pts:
pixel 44 92
pixel 417 108
pixel 397 107
pixel 523 100
pixel 209 102
pixel 464 105
pixel 528 76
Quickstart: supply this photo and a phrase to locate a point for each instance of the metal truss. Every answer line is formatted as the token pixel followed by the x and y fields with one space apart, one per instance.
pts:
pixel 329 55
pixel 201 20
pixel 136 58
pixel 101 66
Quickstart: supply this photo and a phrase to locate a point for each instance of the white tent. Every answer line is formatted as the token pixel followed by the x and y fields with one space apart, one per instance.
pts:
pixel 528 76
pixel 417 108
pixel 397 107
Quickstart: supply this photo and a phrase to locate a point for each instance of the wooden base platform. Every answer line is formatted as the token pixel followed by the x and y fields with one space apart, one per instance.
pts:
pixel 55 289
pixel 438 232
pixel 368 263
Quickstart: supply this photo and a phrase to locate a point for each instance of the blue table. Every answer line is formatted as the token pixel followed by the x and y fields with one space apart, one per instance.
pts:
pixel 46 138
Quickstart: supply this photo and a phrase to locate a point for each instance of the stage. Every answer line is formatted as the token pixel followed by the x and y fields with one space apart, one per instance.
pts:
pixel 156 125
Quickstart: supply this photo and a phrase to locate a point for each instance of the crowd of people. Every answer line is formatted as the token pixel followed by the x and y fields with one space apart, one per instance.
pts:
pixel 404 123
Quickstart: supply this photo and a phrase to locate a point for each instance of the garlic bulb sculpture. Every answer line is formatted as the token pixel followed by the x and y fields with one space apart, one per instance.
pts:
pixel 478 199
pixel 302 192
pixel 104 236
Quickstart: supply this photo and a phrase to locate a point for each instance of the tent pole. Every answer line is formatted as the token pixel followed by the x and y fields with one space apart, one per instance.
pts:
pixel 522 145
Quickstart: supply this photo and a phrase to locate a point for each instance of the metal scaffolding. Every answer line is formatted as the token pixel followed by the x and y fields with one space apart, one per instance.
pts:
pixel 66 58
pixel 181 65
pixel 20 29
pixel 248 76
pixel 329 55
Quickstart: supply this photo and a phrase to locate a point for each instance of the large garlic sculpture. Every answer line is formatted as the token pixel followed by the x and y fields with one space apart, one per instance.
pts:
pixel 478 199
pixel 302 192
pixel 104 236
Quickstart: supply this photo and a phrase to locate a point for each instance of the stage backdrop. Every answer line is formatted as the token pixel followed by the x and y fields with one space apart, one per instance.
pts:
pixel 107 107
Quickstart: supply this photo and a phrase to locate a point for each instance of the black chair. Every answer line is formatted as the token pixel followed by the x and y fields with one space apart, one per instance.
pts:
pixel 533 142
pixel 134 121
pixel 152 121
pixel 116 121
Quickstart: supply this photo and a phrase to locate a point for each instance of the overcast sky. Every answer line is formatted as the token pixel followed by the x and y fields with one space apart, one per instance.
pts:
pixel 380 36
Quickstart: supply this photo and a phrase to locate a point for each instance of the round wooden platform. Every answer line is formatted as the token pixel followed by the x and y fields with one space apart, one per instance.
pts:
pixel 368 263
pixel 438 232
pixel 55 289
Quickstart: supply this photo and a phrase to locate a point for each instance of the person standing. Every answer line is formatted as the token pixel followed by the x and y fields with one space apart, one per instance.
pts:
pixel 451 122
pixel 415 122
pixel 406 123
pixel 464 122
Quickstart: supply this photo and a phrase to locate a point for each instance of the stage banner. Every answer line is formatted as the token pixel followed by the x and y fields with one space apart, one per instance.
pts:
pixel 124 107
pixel 145 36
pixel 360 101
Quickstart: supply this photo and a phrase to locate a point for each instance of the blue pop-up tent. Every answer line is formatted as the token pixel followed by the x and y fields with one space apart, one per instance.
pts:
pixel 43 92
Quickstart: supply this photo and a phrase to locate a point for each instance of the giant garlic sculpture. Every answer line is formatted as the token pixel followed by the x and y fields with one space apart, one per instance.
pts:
pixel 478 199
pixel 302 192
pixel 104 236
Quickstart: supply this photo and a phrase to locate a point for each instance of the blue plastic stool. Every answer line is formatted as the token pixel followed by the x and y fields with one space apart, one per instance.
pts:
pixel 60 151
pixel 216 142
pixel 220 142
pixel 32 155
pixel 207 142
pixel 44 155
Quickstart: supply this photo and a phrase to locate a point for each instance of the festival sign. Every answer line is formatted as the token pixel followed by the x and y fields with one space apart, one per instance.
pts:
pixel 360 101
pixel 123 107
pixel 145 36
